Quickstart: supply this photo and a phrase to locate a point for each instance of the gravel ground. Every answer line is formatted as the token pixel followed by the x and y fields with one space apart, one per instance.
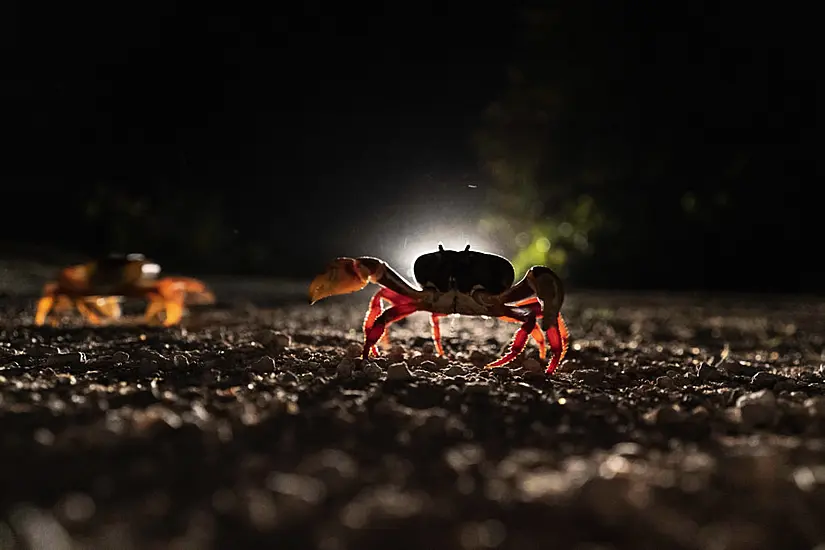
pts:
pixel 675 422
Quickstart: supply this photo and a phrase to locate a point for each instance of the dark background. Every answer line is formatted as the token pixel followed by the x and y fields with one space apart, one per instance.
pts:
pixel 271 138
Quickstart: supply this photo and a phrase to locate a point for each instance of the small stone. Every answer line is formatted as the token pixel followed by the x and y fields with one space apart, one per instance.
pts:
pixel 398 371
pixel 628 448
pixel 274 338
pixel 120 357
pixel 664 415
pixel 265 364
pixel 428 349
pixel 700 414
pixel 65 359
pixel 288 377
pixel 373 371
pixel 816 406
pixel 502 371
pixel 708 373
pixel 354 350
pixel 532 365
pixel 786 385
pixel 429 365
pixel 764 379
pixel 454 370
pixel 344 369
pixel 590 377
pixel 665 382
pixel 477 387
pixel 477 357
pixel 442 361
pixel 180 360
pixel 757 408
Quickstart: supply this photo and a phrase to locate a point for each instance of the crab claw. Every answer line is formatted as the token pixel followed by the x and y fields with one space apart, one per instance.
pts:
pixel 342 276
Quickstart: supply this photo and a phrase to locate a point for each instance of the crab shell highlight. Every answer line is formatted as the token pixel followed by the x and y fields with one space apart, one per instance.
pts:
pixel 455 283
pixel 97 288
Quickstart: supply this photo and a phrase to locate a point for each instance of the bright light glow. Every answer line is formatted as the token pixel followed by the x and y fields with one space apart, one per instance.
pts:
pixel 413 247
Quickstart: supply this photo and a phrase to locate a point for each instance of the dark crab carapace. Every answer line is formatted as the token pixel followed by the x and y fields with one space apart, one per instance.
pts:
pixel 465 282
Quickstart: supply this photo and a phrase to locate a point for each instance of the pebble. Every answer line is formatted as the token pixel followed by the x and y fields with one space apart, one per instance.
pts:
pixel 764 379
pixel 398 371
pixel 591 377
pixel 816 406
pixel 429 365
pixel 274 338
pixel 428 349
pixel 785 384
pixel 665 382
pixel 454 370
pixel 373 371
pixel 532 365
pixel 180 360
pixel 665 414
pixel 265 364
pixel 354 350
pixel 120 357
pixel 397 350
pixel 344 369
pixel 757 408
pixel 288 377
pixel 708 373
pixel 65 359
pixel 502 371
pixel 477 357
pixel 477 387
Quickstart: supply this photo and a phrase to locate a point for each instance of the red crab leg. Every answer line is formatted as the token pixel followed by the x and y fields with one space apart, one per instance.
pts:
pixel 558 336
pixel 556 333
pixel 537 335
pixel 375 309
pixel 388 316
pixel 518 343
pixel 435 323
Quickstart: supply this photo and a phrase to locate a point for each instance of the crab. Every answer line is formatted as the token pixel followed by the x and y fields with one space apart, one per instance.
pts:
pixel 97 288
pixel 454 282
pixel 172 294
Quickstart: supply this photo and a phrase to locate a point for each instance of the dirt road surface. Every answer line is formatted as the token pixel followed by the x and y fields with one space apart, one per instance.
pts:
pixel 676 422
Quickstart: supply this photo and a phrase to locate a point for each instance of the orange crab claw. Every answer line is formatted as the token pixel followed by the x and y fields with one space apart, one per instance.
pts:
pixel 342 276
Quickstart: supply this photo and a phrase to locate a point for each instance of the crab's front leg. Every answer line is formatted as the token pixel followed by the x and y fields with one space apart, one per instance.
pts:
pixel 347 275
pixel 528 326
pixel 45 303
pixel 537 333
pixel 541 285
pixel 388 316
pixel 376 307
